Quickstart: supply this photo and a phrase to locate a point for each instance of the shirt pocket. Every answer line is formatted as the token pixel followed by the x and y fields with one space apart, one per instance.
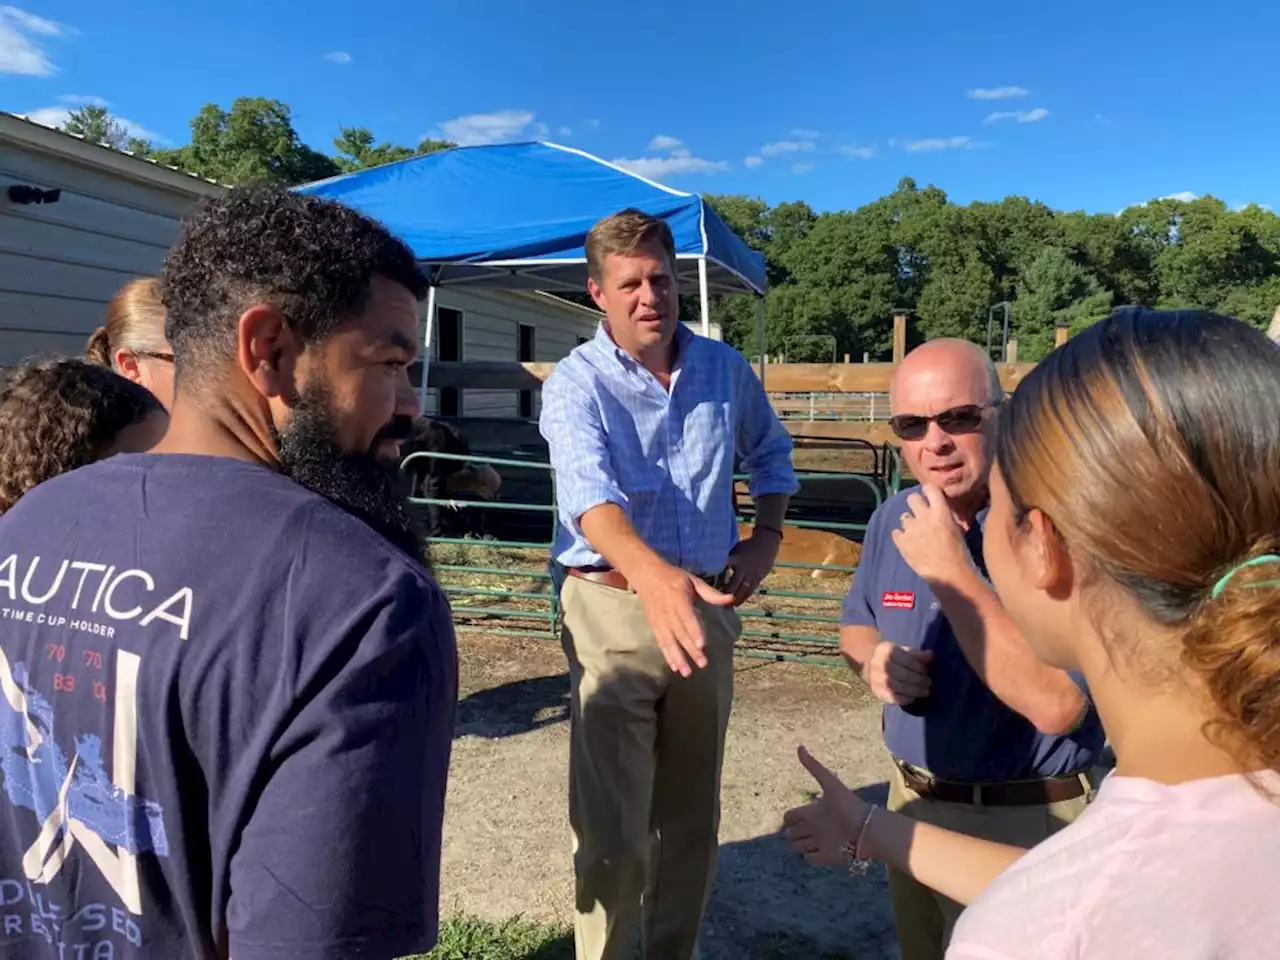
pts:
pixel 707 440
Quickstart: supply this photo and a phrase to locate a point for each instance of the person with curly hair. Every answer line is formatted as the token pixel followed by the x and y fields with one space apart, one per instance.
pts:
pixel 58 415
pixel 230 696
pixel 131 341
pixel 1134 536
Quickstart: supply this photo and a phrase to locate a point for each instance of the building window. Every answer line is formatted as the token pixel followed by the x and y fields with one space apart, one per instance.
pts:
pixel 449 350
pixel 525 355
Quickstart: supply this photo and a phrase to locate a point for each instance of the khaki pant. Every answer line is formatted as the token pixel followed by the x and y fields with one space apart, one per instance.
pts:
pixel 925 919
pixel 646 748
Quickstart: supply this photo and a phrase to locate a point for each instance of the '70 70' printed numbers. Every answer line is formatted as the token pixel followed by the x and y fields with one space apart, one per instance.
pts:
pixel 66 682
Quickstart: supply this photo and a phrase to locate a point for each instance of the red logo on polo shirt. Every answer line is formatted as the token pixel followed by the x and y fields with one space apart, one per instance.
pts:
pixel 898 599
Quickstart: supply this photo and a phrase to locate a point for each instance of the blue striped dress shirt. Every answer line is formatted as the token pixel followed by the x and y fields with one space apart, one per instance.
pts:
pixel 666 458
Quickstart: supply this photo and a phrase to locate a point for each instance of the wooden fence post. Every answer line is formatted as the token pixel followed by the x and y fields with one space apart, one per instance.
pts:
pixel 899 335
pixel 1012 351
pixel 1060 335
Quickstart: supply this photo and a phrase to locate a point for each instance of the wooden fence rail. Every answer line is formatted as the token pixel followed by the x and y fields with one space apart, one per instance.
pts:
pixel 779 377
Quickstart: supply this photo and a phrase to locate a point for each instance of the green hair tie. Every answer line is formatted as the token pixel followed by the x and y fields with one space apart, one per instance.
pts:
pixel 1255 562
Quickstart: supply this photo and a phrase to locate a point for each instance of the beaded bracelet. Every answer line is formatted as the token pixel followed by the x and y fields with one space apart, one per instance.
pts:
pixel 857 866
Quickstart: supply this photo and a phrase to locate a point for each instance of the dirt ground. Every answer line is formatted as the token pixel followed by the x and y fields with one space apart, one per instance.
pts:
pixel 507 839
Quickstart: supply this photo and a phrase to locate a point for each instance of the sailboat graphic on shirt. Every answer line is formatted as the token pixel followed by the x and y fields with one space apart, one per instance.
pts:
pixel 75 802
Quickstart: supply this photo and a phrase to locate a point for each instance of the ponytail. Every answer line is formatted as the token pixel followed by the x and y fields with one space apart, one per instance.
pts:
pixel 98 349
pixel 1234 647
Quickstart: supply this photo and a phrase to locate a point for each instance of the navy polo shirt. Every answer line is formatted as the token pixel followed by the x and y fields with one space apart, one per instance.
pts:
pixel 961 730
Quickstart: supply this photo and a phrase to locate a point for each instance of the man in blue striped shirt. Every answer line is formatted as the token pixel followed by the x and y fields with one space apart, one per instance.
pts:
pixel 643 423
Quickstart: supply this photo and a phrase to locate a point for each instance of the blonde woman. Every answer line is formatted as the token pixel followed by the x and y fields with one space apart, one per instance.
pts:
pixel 1134 536
pixel 132 341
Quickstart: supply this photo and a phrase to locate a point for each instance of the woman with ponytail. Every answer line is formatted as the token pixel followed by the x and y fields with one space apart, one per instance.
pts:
pixel 1134 536
pixel 132 341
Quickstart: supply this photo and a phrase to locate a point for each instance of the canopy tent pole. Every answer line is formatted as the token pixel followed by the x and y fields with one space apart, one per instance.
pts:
pixel 760 334
pixel 426 348
pixel 702 296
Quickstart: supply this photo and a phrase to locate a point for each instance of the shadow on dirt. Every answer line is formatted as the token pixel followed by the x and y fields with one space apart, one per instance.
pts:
pixel 514 708
pixel 768 904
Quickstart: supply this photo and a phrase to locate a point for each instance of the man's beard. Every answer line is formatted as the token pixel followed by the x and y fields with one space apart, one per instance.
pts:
pixel 363 485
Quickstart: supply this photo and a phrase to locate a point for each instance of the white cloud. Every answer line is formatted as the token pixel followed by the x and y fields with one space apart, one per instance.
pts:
pixel 56 116
pixel 752 161
pixel 1245 206
pixel 801 168
pixel 854 152
pixel 662 143
pixel 501 126
pixel 593 124
pixel 80 100
pixel 1183 196
pixel 680 160
pixel 801 134
pixel 20 52
pixel 48 116
pixel 779 147
pixel 929 144
pixel 339 56
pixel 1099 118
pixel 1022 116
pixel 30 22
pixel 998 93
pixel 565 131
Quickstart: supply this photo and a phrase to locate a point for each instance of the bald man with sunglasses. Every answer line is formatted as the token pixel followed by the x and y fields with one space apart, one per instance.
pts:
pixel 984 738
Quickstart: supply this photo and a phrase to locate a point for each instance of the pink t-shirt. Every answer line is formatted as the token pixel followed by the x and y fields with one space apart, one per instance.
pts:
pixel 1148 872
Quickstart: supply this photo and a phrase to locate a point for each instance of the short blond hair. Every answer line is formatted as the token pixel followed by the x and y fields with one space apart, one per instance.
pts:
pixel 624 232
pixel 135 320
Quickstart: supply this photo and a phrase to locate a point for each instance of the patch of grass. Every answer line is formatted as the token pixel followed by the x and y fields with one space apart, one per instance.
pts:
pixel 469 938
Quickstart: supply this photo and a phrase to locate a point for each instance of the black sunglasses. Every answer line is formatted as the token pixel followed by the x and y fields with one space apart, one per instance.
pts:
pixel 166 357
pixel 957 420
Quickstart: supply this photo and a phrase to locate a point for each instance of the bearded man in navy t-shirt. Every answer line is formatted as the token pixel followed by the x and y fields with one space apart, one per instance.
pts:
pixel 227 679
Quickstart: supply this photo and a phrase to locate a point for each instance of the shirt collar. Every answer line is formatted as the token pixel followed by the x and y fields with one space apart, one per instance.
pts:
pixel 604 343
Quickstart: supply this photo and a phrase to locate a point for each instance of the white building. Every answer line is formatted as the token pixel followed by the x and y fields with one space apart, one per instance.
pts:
pixel 61 262
pixel 473 323
pixel 115 215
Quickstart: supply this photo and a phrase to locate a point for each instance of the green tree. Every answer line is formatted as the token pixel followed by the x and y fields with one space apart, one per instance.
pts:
pixel 254 141
pixel 96 125
pixel 1055 291
pixel 358 149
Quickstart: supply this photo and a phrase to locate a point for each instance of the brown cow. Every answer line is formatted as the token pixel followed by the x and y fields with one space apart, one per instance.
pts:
pixel 817 547
pixel 448 479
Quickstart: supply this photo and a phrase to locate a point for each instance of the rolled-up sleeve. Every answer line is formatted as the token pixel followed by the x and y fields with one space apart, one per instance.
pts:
pixel 763 442
pixel 584 473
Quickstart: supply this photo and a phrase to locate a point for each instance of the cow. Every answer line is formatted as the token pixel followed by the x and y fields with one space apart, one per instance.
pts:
pixel 817 547
pixel 444 479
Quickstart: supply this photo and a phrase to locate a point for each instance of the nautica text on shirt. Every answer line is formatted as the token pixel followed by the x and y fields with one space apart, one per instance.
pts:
pixel 92 589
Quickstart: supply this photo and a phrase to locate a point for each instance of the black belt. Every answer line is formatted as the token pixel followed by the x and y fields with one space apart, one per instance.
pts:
pixel 1014 793
pixel 613 578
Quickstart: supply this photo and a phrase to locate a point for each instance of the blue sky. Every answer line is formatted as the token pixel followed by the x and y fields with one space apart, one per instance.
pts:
pixel 1084 105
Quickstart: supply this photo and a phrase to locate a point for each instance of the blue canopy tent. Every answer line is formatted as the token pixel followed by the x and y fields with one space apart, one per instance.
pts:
pixel 515 216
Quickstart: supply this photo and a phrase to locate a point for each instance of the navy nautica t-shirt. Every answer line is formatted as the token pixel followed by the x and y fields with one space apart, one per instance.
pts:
pixel 226 710
pixel 961 731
